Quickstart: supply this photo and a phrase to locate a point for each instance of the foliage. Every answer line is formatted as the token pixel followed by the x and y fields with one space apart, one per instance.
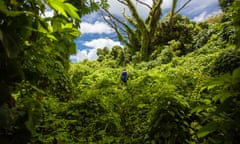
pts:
pixel 215 19
pixel 226 62
pixel 188 92
pixel 170 122
pixel 220 125
pixel 141 36
pixel 180 29
pixel 34 58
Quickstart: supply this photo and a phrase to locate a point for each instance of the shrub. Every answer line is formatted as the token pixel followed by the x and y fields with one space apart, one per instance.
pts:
pixel 226 62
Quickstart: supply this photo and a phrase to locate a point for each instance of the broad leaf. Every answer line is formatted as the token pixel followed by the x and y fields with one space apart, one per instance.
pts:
pixel 64 8
pixel 207 129
pixel 58 5
pixel 72 11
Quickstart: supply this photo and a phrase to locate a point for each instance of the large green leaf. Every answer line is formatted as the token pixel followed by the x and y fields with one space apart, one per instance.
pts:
pixel 207 129
pixel 72 11
pixel 64 8
pixel 58 5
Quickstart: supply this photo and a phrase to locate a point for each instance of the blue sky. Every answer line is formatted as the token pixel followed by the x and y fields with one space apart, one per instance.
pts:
pixel 95 33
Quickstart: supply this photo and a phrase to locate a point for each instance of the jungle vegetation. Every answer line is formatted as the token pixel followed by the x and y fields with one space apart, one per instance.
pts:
pixel 183 86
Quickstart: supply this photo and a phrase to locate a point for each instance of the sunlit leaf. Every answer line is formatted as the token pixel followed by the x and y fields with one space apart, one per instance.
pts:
pixel 59 6
pixel 141 105
pixel 64 8
pixel 52 37
pixel 72 11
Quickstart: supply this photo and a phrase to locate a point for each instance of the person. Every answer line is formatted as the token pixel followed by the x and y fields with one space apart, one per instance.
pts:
pixel 124 76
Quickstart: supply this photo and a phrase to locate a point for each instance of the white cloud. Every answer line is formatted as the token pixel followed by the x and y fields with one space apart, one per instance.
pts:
pixel 79 56
pixel 200 17
pixel 118 8
pixel 204 15
pixel 48 13
pixel 94 45
pixel 97 27
pixel 194 7
pixel 101 43
pixel 92 17
pixel 166 4
pixel 198 6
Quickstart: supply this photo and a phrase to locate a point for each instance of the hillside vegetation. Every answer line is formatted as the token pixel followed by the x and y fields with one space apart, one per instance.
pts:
pixel 187 90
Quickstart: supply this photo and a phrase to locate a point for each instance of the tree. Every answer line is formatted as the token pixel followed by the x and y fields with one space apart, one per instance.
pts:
pixel 135 32
pixel 102 53
pixel 117 53
pixel 181 29
pixel 139 36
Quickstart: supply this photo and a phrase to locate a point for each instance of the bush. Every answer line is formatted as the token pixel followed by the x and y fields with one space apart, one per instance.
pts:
pixel 170 122
pixel 226 62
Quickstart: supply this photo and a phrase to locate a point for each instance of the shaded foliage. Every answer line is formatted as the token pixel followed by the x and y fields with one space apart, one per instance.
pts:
pixel 34 52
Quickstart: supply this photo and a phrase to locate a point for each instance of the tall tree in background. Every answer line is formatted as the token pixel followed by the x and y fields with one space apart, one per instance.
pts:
pixel 139 32
pixel 134 31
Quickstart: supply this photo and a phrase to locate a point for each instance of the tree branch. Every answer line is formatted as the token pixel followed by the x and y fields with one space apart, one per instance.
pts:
pixel 185 4
pixel 143 3
pixel 130 20
pixel 114 22
pixel 172 12
pixel 111 22
pixel 113 17
pixel 123 2
pixel 154 16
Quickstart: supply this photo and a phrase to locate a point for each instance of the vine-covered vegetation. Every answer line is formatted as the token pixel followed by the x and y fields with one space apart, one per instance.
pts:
pixel 185 91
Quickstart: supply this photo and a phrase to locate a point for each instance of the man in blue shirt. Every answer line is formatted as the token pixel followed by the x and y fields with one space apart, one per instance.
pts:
pixel 124 76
